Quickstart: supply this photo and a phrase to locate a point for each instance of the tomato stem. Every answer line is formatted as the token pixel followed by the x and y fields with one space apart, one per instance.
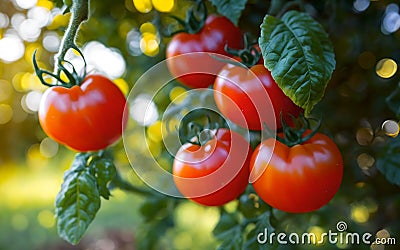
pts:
pixel 72 75
pixel 79 14
pixel 195 19
pixel 197 131
pixel 249 55
pixel 295 135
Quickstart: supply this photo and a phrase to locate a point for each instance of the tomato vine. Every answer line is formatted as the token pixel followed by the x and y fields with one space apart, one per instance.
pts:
pixel 283 65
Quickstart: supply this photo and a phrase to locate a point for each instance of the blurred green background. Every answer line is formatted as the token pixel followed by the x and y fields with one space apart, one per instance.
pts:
pixel 122 40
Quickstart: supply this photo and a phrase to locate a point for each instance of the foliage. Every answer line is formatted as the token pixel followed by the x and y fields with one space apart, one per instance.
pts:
pixel 389 163
pixel 79 198
pixel 300 56
pixel 230 9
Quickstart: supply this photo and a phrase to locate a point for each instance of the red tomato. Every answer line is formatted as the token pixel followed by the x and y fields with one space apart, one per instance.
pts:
pixel 199 70
pixel 216 172
pixel 243 93
pixel 297 179
pixel 88 117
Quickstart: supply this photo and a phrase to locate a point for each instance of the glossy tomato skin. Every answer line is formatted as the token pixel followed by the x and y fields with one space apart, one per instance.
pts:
pixel 244 92
pixel 198 70
pixel 88 117
pixel 297 179
pixel 215 173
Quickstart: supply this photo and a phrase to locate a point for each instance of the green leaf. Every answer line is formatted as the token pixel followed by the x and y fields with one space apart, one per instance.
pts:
pixel 77 202
pixel 388 161
pixel 154 208
pixel 299 55
pixel 232 9
pixel 105 172
pixel 158 216
pixel 229 231
pixel 262 225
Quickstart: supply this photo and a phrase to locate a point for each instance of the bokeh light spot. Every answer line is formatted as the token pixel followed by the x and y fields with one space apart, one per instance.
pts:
pixel 386 68
pixel 103 59
pixel 149 44
pixel 45 4
pixel 361 5
pixel 46 219
pixel 40 15
pixel 133 42
pixel 317 231
pixel 177 94
pixel 143 110
pixel 122 85
pixel 148 27
pixel 364 136
pixel 383 234
pixel 143 6
pixel 59 21
pixel 48 147
pixel 365 161
pixel 32 100
pixel 359 213
pixel 11 49
pixel 390 128
pixel 6 113
pixel 163 5
pixel 25 4
pixel 5 90
pixel 375 246
pixel 4 20
pixel 391 19
pixel 154 131
pixel 51 41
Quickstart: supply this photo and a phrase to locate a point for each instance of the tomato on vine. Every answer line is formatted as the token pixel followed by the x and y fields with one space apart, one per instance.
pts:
pixel 83 114
pixel 243 90
pixel 210 34
pixel 215 172
pixel 299 177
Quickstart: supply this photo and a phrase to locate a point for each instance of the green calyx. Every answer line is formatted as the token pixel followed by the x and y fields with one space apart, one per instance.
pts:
pixel 295 135
pixel 249 55
pixel 73 78
pixel 195 19
pixel 199 134
pixel 200 126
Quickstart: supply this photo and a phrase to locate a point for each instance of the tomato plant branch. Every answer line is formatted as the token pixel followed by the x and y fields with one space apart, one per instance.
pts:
pixel 79 14
pixel 122 184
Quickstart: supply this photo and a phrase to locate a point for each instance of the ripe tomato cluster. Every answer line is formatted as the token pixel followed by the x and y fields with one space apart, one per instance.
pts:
pixel 299 176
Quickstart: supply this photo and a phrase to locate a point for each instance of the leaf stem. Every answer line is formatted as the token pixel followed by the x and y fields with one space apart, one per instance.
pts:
pixel 79 14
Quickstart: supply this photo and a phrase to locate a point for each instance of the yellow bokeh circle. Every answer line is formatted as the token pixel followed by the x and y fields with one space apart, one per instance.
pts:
pixel 386 68
pixel 164 5
pixel 143 6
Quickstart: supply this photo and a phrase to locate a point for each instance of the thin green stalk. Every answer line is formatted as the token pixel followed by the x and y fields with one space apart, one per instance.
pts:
pixel 79 14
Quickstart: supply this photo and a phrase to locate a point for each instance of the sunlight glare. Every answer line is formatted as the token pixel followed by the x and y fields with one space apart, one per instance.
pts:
pixel 11 49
